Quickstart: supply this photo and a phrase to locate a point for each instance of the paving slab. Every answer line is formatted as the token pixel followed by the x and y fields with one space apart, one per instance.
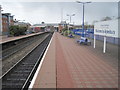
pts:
pixel 70 65
pixel 86 69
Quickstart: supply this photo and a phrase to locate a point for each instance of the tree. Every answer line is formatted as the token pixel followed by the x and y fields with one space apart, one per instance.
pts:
pixel 17 30
pixel 13 30
pixel 42 28
pixel 106 18
pixel 43 22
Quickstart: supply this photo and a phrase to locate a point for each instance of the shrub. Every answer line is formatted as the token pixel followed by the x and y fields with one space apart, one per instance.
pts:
pixel 17 30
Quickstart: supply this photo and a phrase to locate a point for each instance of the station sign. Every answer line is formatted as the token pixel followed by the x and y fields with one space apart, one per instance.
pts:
pixel 107 28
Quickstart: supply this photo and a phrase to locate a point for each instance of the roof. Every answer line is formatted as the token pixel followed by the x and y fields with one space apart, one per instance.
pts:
pixel 46 24
pixel 6 14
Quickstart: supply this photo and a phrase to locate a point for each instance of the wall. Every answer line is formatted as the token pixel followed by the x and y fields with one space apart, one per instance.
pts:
pixel 5 25
pixel 112 40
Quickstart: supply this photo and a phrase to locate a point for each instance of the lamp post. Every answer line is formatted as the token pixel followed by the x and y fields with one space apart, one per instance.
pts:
pixel 70 16
pixel 83 3
pixel 70 20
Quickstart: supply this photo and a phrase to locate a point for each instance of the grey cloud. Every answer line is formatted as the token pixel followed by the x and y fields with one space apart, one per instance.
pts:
pixel 51 11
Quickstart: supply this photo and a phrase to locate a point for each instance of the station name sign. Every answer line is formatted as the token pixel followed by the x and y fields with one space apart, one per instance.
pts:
pixel 107 28
pixel 105 31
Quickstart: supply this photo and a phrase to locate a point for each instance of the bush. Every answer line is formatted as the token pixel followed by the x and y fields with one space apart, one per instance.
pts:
pixel 17 30
pixel 66 32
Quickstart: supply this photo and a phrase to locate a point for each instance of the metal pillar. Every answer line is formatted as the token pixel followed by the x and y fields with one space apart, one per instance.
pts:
pixel 0 20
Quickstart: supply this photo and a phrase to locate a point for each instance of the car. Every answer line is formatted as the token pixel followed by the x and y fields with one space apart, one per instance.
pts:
pixel 84 40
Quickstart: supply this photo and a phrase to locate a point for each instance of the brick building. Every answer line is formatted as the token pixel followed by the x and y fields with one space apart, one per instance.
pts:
pixel 7 21
pixel 62 25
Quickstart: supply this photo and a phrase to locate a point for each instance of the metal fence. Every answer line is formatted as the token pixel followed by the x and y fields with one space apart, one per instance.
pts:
pixel 90 34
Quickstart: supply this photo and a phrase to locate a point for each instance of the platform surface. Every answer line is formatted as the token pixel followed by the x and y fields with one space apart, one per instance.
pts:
pixel 70 65
pixel 4 39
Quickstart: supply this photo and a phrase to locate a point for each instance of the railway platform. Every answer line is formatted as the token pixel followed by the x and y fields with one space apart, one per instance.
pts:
pixel 67 64
pixel 4 39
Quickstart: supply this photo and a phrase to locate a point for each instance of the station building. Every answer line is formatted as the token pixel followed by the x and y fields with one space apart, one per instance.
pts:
pixel 44 27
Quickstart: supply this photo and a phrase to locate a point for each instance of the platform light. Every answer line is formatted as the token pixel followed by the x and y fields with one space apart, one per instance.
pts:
pixel 83 3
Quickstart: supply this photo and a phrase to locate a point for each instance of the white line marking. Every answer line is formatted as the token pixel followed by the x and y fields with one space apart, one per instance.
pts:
pixel 39 67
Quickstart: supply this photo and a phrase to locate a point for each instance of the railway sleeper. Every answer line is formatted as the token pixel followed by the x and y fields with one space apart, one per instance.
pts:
pixel 21 79
pixel 13 82
pixel 19 75
pixel 16 82
pixel 14 78
pixel 21 71
pixel 12 85
pixel 24 68
pixel 26 65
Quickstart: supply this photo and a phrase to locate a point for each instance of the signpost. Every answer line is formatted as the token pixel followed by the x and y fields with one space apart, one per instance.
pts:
pixel 106 29
pixel 104 45
pixel 94 40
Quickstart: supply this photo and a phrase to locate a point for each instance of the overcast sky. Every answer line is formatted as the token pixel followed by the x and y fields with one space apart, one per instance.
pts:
pixel 50 12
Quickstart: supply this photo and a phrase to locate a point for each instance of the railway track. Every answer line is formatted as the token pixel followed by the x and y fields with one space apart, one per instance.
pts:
pixel 20 75
pixel 15 48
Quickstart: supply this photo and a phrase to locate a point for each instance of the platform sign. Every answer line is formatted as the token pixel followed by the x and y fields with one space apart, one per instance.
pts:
pixel 107 28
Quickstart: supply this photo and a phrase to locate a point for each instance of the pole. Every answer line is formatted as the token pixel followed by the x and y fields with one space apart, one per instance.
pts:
pixel 70 19
pixel 83 14
pixel 104 47
pixel 68 26
pixel 0 21
pixel 1 45
pixel 83 21
pixel 61 14
pixel 70 16
pixel 94 41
